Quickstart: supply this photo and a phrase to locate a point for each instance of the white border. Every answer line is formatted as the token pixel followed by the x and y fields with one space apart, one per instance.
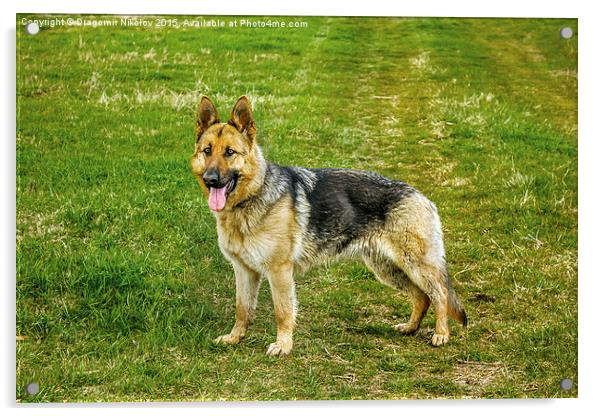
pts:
pixel 466 8
pixel 589 174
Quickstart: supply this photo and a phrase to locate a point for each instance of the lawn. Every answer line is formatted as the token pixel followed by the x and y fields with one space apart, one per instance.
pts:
pixel 120 282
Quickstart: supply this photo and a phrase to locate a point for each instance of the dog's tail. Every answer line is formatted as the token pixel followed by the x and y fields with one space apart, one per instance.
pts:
pixel 454 307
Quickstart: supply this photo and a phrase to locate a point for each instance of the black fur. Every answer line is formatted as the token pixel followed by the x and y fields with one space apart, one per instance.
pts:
pixel 345 204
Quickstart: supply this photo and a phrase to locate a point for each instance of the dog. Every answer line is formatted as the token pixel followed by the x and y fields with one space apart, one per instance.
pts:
pixel 275 221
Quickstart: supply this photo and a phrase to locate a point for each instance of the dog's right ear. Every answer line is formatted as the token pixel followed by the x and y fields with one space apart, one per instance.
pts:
pixel 206 116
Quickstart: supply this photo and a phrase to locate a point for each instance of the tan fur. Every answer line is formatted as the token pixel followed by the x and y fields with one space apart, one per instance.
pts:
pixel 259 244
pixel 420 304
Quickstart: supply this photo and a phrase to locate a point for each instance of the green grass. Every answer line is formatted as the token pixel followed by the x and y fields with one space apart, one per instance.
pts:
pixel 120 283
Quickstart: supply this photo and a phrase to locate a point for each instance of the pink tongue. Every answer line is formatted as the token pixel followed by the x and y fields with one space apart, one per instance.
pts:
pixel 217 198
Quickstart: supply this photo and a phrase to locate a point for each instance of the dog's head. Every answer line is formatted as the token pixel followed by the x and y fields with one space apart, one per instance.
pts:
pixel 226 160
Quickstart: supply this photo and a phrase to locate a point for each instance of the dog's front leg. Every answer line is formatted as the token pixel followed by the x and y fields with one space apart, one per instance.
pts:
pixel 283 295
pixel 247 288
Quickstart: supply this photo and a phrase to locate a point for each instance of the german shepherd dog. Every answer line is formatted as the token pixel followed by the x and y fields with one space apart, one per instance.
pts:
pixel 274 221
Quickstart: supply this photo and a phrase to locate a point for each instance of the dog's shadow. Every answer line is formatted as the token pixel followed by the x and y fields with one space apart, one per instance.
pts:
pixel 387 331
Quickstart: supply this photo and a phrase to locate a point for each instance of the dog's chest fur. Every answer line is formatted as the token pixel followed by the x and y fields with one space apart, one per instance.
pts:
pixel 258 240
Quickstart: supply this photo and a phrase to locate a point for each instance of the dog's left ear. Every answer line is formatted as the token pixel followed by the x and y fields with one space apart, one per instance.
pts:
pixel 242 118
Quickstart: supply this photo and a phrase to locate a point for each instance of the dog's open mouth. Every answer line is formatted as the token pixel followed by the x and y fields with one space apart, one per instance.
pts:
pixel 218 196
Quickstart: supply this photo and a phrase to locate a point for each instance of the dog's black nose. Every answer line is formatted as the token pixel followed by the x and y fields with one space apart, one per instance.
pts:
pixel 211 178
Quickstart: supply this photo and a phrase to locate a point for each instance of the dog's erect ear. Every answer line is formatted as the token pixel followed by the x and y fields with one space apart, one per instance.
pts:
pixel 206 116
pixel 242 118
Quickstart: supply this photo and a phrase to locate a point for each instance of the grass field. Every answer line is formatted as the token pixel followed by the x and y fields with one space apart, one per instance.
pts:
pixel 120 283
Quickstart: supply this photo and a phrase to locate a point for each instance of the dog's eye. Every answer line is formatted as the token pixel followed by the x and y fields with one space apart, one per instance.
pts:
pixel 207 150
pixel 229 152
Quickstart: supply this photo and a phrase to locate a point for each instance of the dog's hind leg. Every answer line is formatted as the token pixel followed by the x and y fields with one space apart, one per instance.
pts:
pixel 390 274
pixel 427 283
pixel 420 304
pixel 432 283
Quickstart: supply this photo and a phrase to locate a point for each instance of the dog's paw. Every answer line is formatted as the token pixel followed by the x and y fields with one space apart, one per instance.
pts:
pixel 406 328
pixel 227 339
pixel 279 348
pixel 439 339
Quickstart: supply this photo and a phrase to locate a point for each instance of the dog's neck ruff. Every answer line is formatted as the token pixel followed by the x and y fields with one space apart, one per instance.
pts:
pixel 258 181
pixel 265 195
